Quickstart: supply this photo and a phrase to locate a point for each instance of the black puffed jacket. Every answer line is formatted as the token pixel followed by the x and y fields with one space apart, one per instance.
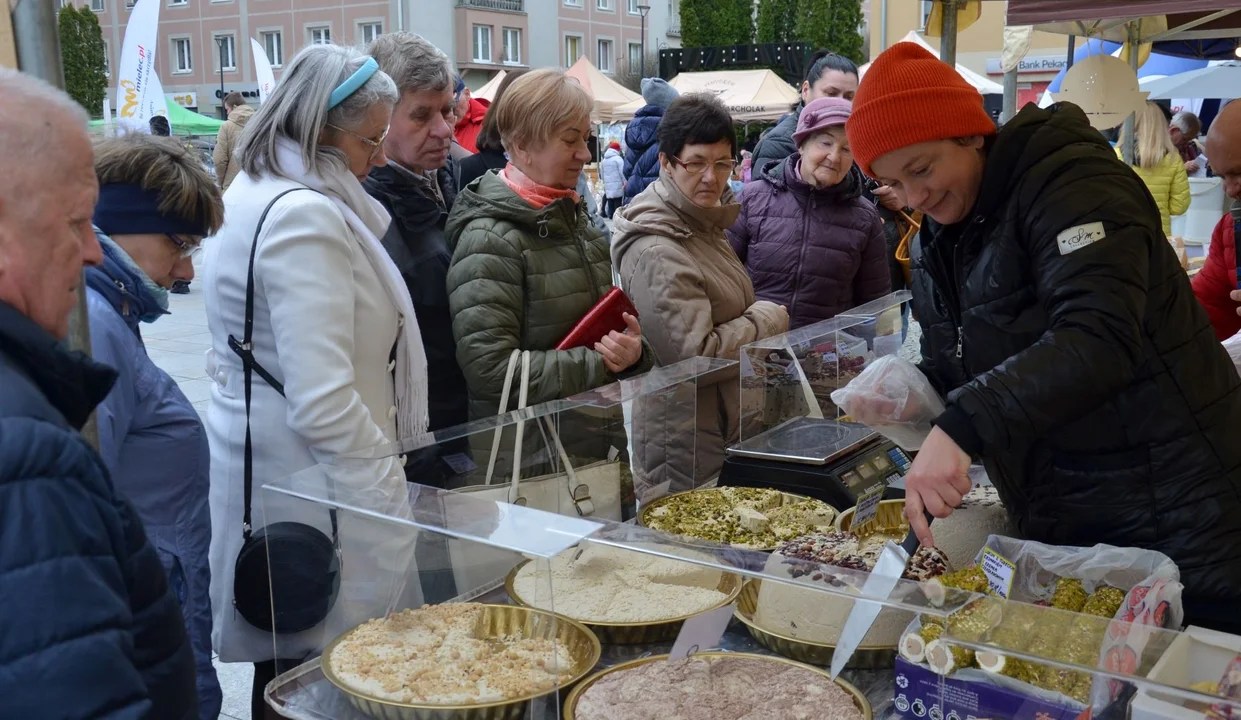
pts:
pixel 1076 362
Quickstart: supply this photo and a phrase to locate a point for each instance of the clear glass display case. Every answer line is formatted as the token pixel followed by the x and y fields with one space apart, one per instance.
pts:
pixel 597 595
pixel 791 376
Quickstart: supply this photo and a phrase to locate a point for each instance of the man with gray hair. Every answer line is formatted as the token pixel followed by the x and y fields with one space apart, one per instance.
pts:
pixel 417 189
pixel 1185 129
pixel 88 626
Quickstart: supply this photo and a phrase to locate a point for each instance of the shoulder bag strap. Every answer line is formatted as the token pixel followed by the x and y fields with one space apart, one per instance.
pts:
pixel 514 490
pixel 245 350
pixel 495 438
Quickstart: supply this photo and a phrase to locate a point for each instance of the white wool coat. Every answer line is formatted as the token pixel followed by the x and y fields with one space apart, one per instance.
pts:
pixel 325 328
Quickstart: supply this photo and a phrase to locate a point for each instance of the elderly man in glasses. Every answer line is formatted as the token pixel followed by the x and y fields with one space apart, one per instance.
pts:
pixel 156 203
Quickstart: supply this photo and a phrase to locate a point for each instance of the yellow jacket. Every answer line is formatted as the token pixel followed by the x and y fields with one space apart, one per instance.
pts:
pixel 1169 184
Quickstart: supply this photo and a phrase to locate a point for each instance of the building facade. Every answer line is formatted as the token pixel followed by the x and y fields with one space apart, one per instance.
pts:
pixel 204 49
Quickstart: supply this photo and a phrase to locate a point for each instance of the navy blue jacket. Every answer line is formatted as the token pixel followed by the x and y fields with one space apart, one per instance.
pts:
pixel 642 150
pixel 88 627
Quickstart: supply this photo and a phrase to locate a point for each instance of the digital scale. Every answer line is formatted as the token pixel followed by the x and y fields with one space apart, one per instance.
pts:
pixel 821 458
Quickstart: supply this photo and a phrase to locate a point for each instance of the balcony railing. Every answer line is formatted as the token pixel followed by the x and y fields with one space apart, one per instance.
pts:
pixel 674 27
pixel 507 5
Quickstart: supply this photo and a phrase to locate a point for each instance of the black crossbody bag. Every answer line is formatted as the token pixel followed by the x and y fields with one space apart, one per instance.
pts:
pixel 287 576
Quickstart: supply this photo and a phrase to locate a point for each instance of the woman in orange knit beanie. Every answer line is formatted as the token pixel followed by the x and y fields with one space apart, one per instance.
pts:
pixel 1060 329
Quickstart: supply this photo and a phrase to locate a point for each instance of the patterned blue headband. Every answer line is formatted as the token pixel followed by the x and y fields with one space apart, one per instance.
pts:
pixel 355 81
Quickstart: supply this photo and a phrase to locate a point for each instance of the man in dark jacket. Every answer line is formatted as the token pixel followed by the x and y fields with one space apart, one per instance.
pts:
pixel 829 75
pixel 417 188
pixel 88 626
pixel 642 137
pixel 1061 330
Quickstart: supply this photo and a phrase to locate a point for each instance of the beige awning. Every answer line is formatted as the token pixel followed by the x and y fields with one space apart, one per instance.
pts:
pixel 488 91
pixel 980 83
pixel 749 95
pixel 607 93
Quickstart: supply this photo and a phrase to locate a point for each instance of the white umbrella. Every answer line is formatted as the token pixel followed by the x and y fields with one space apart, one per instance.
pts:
pixel 1214 81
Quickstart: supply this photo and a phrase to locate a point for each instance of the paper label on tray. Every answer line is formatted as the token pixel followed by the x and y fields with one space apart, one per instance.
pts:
pixel 867 507
pixel 702 632
pixel 460 463
pixel 999 572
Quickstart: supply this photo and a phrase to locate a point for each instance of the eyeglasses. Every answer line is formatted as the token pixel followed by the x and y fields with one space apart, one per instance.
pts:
pixel 186 249
pixel 698 167
pixel 376 145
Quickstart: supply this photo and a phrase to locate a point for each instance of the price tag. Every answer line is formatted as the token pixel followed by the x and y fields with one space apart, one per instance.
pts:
pixel 702 632
pixel 867 507
pixel 999 572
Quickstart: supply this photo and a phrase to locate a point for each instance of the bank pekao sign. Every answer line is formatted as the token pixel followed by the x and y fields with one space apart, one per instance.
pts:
pixel 1031 64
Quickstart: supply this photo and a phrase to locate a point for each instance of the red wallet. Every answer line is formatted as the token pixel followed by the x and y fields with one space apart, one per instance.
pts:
pixel 607 315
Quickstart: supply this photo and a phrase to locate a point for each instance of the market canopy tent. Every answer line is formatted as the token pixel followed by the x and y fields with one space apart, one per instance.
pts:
pixel 1222 81
pixel 1190 28
pixel 488 90
pixel 749 95
pixel 983 85
pixel 606 92
pixel 183 122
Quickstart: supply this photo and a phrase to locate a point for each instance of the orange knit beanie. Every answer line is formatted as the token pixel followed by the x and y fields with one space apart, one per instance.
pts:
pixel 908 96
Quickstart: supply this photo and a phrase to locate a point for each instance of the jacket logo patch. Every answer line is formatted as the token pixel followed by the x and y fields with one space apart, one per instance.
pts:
pixel 1076 238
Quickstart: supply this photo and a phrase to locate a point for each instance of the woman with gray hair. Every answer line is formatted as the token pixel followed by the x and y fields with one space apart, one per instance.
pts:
pixel 315 352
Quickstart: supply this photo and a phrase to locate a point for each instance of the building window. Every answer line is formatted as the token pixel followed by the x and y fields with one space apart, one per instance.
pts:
pixel 226 53
pixel 96 6
pixel 927 5
pixel 174 3
pixel 273 44
pixel 321 35
pixel 635 57
pixel 605 5
pixel 129 4
pixel 604 54
pixel 573 3
pixel 572 49
pixel 369 31
pixel 632 7
pixel 512 46
pixel 482 43
pixel 107 59
pixel 182 59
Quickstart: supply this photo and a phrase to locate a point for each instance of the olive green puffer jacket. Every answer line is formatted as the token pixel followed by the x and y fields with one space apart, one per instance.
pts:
pixel 520 279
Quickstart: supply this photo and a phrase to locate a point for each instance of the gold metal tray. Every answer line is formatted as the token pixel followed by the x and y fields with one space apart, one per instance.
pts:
pixel 642 516
pixel 498 621
pixel 653 631
pixel 866 657
pixel 858 698
pixel 890 518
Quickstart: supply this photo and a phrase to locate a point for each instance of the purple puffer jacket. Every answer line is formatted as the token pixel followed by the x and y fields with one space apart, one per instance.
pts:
pixel 817 252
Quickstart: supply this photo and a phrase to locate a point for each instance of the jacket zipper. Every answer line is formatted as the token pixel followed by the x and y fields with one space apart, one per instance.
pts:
pixel 801 261
pixel 581 250
pixel 124 298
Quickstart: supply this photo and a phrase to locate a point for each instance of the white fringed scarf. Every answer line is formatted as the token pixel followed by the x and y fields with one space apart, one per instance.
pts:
pixel 368 219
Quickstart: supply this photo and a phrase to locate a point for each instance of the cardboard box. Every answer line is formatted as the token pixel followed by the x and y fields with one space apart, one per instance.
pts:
pixel 1196 655
pixel 921 693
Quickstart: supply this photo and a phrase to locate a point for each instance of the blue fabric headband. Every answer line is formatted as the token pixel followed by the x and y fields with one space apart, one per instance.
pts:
pixel 134 210
pixel 355 81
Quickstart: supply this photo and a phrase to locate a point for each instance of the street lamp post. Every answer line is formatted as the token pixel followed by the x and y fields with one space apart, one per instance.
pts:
pixel 223 111
pixel 643 9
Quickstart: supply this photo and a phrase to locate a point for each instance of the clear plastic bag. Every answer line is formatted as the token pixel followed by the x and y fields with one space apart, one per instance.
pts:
pixel 893 397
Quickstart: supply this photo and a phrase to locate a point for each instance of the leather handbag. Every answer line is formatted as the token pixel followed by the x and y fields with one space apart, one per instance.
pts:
pixel 287 576
pixel 592 490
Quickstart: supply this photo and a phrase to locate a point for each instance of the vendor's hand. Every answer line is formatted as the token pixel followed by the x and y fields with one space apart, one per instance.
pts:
pixel 1192 167
pixel 888 198
pixel 936 482
pixel 621 351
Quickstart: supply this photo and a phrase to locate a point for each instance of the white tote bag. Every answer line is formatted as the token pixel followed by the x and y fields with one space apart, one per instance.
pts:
pixel 592 491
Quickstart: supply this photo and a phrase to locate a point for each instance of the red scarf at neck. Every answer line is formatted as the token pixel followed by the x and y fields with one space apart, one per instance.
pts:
pixel 539 196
